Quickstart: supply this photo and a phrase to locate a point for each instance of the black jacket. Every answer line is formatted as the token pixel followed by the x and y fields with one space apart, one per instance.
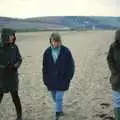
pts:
pixel 8 71
pixel 113 59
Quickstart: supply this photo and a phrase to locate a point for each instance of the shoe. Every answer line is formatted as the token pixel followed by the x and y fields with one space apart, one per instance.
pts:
pixel 19 118
pixel 59 114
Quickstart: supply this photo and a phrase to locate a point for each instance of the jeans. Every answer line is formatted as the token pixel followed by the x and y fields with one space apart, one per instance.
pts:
pixel 58 99
pixel 116 99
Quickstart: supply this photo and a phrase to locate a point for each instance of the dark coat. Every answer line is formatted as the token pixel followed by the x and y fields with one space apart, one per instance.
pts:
pixel 113 59
pixel 9 74
pixel 57 76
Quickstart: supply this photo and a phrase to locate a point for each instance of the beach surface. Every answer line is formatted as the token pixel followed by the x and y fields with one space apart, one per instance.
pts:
pixel 90 94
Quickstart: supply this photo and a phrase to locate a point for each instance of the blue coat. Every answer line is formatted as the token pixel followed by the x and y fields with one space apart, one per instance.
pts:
pixel 57 76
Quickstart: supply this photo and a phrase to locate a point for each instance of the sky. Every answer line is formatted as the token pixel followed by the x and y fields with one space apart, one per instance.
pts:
pixel 38 8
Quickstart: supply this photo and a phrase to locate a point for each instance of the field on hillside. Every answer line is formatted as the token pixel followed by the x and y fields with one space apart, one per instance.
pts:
pixel 89 96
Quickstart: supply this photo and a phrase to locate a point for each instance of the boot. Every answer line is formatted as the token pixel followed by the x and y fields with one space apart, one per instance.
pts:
pixel 59 114
pixel 19 118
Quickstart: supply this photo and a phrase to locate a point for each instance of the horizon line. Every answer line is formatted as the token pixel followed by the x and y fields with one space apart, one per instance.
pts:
pixel 56 16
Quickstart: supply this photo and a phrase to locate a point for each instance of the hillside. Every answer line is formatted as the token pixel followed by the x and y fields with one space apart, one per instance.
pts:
pixel 61 23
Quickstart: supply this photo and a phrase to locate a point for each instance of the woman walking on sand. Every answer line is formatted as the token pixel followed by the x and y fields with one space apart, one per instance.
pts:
pixel 114 66
pixel 10 61
pixel 58 70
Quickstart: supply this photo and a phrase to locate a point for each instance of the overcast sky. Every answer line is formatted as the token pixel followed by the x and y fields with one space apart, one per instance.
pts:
pixel 37 8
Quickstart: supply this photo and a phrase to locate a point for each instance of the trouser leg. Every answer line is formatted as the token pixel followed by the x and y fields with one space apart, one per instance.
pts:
pixel 53 95
pixel 17 103
pixel 1 97
pixel 59 101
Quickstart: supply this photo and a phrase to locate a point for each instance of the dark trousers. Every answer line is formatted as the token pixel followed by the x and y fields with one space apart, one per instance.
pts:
pixel 16 101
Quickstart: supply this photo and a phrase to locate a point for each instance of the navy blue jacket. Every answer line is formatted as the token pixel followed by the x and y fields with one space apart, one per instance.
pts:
pixel 57 76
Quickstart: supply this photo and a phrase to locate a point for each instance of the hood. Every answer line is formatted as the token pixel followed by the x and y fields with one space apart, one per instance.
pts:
pixel 5 33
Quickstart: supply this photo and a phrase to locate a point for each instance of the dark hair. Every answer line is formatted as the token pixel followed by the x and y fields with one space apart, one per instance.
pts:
pixel 56 37
pixel 117 35
pixel 14 39
pixel 6 33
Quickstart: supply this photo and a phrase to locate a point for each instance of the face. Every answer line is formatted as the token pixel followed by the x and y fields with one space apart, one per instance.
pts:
pixel 11 38
pixel 55 44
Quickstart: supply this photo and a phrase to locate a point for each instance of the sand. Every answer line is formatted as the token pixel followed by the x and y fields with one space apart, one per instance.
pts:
pixel 89 96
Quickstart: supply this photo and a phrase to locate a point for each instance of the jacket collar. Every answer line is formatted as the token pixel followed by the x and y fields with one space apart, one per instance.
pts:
pixel 50 53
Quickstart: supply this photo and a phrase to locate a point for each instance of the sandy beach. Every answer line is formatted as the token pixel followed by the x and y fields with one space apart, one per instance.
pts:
pixel 90 94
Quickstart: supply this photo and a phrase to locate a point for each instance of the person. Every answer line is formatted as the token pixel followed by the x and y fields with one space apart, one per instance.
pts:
pixel 10 61
pixel 58 70
pixel 113 60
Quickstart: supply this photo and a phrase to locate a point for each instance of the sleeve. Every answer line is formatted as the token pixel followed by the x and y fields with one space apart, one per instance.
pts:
pixel 18 58
pixel 70 65
pixel 44 68
pixel 111 62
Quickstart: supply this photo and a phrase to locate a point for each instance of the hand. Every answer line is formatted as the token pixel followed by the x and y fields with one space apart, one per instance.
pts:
pixel 11 67
pixel 16 65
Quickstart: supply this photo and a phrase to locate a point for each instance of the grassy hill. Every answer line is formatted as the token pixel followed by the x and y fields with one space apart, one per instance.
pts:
pixel 60 23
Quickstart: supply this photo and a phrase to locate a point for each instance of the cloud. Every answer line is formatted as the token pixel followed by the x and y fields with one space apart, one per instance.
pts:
pixel 33 8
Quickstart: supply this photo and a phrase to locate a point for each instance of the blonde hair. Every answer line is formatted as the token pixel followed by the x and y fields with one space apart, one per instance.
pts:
pixel 55 36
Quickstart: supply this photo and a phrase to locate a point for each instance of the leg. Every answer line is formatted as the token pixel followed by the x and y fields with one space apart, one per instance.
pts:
pixel 16 101
pixel 59 104
pixel 59 101
pixel 1 96
pixel 53 95
pixel 116 102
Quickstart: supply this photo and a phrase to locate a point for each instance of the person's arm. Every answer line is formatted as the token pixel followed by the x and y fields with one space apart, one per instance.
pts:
pixel 19 59
pixel 70 65
pixel 110 61
pixel 44 68
pixel 15 59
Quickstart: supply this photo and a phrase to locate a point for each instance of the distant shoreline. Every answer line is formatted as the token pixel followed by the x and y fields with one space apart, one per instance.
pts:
pixel 50 30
